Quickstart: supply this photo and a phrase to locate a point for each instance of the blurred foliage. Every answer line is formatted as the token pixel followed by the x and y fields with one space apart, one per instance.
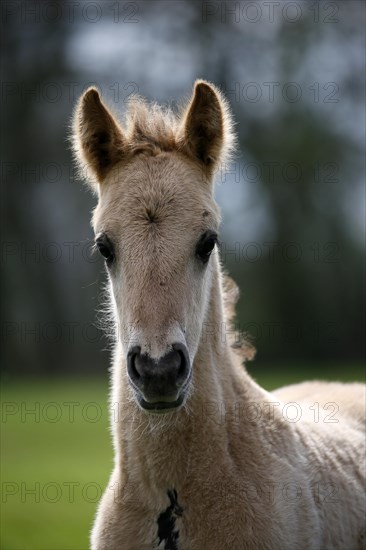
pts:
pixel 308 310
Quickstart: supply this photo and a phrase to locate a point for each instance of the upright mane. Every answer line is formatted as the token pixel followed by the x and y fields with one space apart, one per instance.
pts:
pixel 152 128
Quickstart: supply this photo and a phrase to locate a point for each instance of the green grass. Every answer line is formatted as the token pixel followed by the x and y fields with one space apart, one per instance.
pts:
pixel 49 456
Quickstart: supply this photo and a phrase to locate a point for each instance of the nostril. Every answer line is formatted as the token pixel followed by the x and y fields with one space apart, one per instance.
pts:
pixel 182 367
pixel 184 362
pixel 132 368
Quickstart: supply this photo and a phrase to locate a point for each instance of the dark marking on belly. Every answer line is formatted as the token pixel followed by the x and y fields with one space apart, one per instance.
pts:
pixel 167 532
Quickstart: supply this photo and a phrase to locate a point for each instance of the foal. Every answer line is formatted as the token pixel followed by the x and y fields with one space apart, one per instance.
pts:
pixel 204 457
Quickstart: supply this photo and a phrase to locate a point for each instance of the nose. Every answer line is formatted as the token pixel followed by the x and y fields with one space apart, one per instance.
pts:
pixel 159 380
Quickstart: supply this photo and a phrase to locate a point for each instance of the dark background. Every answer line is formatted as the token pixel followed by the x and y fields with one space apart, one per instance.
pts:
pixel 292 201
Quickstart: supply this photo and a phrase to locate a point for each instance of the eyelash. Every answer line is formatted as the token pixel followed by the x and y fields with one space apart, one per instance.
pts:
pixel 206 245
pixel 106 248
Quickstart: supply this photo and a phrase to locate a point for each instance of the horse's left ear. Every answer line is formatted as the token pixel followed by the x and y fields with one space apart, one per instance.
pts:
pixel 98 139
pixel 206 132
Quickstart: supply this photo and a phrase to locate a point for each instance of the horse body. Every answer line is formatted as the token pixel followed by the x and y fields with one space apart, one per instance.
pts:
pixel 242 482
pixel 225 466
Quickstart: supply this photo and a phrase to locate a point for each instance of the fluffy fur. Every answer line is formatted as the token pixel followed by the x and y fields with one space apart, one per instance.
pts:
pixel 236 467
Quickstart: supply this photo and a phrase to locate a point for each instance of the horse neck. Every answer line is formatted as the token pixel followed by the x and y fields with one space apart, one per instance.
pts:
pixel 157 449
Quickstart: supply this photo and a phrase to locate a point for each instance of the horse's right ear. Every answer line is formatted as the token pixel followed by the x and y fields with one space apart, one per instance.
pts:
pixel 207 129
pixel 98 140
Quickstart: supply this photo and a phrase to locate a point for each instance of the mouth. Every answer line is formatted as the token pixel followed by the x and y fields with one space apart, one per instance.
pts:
pixel 160 407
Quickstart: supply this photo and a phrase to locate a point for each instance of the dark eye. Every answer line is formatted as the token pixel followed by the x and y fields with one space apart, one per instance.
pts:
pixel 106 248
pixel 206 245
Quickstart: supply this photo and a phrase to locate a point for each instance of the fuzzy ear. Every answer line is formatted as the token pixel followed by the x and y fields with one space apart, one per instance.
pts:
pixel 99 142
pixel 207 127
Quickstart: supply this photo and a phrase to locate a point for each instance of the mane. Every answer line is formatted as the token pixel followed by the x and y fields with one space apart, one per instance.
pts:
pixel 239 341
pixel 152 128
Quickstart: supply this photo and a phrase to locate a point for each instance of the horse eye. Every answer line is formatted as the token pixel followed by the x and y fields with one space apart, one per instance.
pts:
pixel 106 248
pixel 206 245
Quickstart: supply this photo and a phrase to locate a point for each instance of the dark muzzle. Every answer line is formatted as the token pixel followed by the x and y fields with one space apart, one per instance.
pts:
pixel 159 383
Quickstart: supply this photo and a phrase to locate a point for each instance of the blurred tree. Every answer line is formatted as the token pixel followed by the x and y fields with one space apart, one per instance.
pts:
pixel 310 308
